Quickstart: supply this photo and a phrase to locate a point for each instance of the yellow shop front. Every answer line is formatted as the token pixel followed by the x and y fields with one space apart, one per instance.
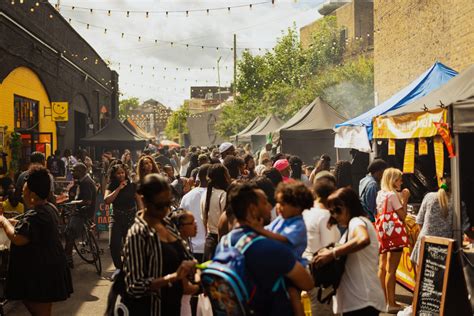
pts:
pixel 25 109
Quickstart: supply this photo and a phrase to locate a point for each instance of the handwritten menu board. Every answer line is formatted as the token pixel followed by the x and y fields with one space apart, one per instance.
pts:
pixel 441 286
pixel 432 275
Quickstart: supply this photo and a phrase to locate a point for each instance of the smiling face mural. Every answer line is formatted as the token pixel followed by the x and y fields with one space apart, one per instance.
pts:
pixel 59 111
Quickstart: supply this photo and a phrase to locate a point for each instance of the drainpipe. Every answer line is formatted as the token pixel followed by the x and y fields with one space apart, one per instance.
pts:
pixel 114 103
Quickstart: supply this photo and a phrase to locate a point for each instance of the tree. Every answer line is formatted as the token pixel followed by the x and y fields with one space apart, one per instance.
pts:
pixel 177 122
pixel 126 105
pixel 289 77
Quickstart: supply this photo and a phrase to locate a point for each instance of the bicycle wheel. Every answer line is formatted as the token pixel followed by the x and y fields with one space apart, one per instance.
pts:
pixel 95 253
pixel 84 247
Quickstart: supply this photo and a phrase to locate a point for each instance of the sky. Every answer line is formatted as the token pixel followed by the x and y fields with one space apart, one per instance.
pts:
pixel 151 55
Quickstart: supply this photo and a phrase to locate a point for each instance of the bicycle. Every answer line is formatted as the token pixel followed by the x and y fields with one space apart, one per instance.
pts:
pixel 85 245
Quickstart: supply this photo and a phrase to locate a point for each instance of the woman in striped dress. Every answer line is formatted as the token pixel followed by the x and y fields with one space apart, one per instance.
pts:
pixel 157 261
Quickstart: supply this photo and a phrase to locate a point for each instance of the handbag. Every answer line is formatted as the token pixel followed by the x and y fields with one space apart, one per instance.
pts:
pixel 391 231
pixel 328 275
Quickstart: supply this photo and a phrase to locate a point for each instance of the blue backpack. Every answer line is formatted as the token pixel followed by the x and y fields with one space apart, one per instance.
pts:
pixel 225 280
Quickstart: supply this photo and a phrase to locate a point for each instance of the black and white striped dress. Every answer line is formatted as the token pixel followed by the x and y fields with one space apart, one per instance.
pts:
pixel 143 260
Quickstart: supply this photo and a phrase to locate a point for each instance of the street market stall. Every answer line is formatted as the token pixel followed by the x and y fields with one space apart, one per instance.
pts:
pixel 357 132
pixel 309 133
pixel 441 125
pixel 257 136
pixel 252 125
pixel 115 135
pixel 131 125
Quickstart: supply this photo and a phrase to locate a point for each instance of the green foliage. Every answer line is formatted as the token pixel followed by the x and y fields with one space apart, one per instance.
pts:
pixel 127 105
pixel 289 78
pixel 177 122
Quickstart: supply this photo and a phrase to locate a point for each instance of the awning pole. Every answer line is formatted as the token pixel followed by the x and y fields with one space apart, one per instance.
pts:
pixel 456 192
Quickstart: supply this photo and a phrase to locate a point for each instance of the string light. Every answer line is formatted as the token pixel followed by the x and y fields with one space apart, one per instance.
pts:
pixel 167 12
pixel 172 43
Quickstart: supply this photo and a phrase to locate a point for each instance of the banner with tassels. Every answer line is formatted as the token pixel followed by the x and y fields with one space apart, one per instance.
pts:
pixel 409 159
pixel 439 157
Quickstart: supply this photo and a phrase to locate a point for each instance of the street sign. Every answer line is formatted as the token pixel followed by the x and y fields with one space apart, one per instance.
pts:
pixel 59 111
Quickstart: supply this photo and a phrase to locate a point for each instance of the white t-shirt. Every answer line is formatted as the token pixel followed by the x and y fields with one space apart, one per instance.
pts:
pixel 319 235
pixel 184 167
pixel 393 203
pixel 216 208
pixel 191 201
pixel 360 286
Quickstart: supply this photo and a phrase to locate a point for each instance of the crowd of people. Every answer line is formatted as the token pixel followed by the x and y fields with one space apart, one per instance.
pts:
pixel 172 208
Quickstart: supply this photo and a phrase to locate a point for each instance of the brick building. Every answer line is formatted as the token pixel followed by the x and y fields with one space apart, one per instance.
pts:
pixel 151 116
pixel 44 60
pixel 355 18
pixel 410 35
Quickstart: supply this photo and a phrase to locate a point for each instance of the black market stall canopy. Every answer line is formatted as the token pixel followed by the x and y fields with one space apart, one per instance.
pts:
pixel 258 135
pixel 115 135
pixel 252 125
pixel 309 133
pixel 131 125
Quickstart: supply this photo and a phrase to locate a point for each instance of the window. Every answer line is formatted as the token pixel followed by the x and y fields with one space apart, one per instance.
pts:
pixel 26 113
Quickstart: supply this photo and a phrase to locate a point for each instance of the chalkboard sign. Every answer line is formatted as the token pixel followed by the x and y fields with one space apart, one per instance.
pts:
pixel 441 286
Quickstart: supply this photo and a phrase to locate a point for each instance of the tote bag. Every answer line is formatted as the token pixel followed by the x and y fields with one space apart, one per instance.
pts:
pixel 391 231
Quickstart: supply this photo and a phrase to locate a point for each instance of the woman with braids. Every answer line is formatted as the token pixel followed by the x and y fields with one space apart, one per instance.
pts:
pixel 296 165
pixel 343 174
pixel 323 164
pixel 122 194
pixel 213 204
pixel 38 273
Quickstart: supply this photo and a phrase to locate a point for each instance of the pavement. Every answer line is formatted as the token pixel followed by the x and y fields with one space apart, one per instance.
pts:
pixel 91 290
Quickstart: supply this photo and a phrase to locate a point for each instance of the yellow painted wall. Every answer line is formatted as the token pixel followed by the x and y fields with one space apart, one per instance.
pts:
pixel 24 82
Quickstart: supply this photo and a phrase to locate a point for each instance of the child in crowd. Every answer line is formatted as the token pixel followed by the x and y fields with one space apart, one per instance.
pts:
pixel 187 226
pixel 292 199
pixel 12 206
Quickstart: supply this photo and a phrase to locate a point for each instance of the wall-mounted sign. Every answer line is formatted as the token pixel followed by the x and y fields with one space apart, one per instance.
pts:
pixel 59 111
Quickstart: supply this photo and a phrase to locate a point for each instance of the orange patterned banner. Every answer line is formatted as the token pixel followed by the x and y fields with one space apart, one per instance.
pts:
pixel 443 131
pixel 409 160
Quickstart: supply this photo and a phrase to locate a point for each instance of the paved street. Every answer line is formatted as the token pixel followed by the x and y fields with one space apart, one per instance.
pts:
pixel 90 290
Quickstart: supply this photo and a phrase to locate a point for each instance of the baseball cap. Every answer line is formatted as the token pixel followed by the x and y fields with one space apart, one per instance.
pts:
pixel 281 164
pixel 224 147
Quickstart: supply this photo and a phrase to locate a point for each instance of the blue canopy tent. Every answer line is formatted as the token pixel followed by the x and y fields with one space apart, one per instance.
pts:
pixel 357 132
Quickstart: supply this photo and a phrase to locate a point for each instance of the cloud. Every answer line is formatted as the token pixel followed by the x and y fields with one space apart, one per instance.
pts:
pixel 258 27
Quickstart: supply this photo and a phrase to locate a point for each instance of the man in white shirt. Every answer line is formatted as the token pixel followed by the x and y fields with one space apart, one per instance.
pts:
pixel 191 202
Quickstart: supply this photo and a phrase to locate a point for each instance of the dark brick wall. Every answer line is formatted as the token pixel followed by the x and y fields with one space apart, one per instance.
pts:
pixel 61 79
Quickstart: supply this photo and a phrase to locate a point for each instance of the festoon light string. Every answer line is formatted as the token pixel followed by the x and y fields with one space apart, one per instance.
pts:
pixel 148 13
